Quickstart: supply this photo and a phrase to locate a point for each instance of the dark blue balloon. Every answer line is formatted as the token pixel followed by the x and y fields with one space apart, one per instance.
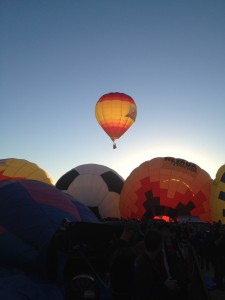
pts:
pixel 30 213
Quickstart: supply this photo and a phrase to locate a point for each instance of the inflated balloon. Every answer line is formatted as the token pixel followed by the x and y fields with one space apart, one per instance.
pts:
pixel 217 200
pixel 166 186
pixel 96 186
pixel 14 169
pixel 115 113
pixel 15 284
pixel 30 213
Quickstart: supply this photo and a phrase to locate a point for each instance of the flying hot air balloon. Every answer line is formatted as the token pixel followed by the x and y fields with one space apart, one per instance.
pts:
pixel 115 113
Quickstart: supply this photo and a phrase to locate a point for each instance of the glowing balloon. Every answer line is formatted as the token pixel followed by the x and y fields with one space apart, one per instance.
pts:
pixel 14 169
pixel 30 213
pixel 217 200
pixel 96 186
pixel 115 113
pixel 166 187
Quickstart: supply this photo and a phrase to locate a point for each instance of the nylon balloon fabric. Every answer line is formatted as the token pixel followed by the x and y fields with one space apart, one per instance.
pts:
pixel 96 186
pixel 30 213
pixel 16 169
pixel 115 113
pixel 166 186
pixel 217 200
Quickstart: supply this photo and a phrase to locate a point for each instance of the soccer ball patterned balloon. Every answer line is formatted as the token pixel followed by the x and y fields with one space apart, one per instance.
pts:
pixel 96 186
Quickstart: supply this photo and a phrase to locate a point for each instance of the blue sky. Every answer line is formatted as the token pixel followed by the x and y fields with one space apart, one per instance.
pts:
pixel 58 57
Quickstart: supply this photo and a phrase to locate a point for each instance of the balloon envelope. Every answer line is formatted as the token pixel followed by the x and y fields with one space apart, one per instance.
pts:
pixel 15 284
pixel 115 113
pixel 217 200
pixel 30 213
pixel 96 186
pixel 166 186
pixel 14 169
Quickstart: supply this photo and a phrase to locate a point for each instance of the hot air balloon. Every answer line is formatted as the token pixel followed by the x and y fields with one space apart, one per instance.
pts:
pixel 115 113
pixel 30 213
pixel 14 169
pixel 166 186
pixel 217 200
pixel 15 284
pixel 96 186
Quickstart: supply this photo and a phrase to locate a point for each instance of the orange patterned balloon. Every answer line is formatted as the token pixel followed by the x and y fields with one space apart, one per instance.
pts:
pixel 115 113
pixel 166 186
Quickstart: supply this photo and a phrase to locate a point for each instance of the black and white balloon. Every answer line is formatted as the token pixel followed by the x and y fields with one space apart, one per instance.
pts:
pixel 96 186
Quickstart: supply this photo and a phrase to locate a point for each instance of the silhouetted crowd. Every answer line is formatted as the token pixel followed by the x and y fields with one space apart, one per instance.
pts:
pixel 133 260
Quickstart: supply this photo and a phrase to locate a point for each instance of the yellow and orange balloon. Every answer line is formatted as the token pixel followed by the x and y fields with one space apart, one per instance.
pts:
pixel 15 169
pixel 166 186
pixel 115 113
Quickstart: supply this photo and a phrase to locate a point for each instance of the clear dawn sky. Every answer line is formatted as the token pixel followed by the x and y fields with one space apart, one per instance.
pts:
pixel 58 57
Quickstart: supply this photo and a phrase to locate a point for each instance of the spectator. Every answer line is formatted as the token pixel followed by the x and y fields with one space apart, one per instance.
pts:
pixel 151 277
pixel 121 263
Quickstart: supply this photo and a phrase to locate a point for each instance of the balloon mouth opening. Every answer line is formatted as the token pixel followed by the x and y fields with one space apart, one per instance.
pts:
pixel 164 218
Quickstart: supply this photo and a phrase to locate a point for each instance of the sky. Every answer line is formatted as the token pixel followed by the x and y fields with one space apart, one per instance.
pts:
pixel 58 57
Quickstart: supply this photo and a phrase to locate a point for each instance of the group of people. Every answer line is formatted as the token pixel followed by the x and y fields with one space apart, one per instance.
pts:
pixel 139 260
pixel 152 267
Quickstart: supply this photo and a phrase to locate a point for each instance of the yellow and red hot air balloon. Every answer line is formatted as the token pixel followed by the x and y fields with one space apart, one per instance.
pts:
pixel 115 113
pixel 16 169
